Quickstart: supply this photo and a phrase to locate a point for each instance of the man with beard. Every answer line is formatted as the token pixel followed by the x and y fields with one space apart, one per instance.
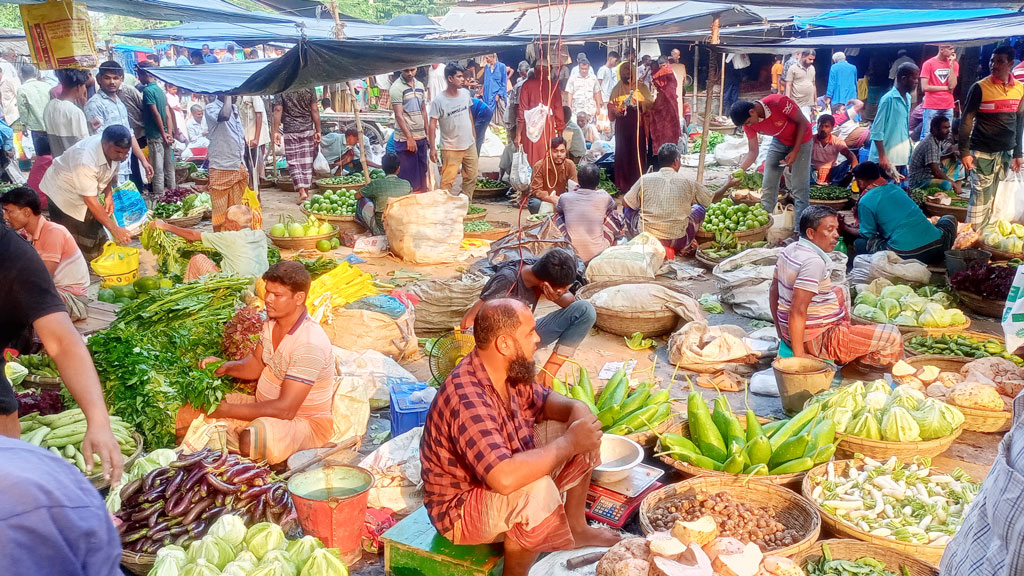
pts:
pixel 499 450
pixel 549 276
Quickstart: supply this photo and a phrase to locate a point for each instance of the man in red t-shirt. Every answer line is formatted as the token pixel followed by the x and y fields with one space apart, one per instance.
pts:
pixel 778 116
pixel 938 80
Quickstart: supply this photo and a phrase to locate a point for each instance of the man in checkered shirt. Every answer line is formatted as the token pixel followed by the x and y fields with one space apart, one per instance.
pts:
pixel 499 450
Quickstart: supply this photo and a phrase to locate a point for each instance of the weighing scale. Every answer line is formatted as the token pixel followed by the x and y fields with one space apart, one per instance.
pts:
pixel 615 503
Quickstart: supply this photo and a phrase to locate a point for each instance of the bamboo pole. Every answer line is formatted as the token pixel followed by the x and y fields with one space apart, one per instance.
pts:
pixel 706 127
pixel 721 89
pixel 696 69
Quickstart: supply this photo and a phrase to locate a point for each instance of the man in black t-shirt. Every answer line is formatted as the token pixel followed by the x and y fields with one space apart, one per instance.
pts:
pixel 550 276
pixel 29 299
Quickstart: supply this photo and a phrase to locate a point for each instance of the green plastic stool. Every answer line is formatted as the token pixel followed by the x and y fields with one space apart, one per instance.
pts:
pixel 784 350
pixel 413 547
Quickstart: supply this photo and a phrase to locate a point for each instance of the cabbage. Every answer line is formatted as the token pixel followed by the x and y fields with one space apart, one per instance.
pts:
pixel 200 568
pixel 282 558
pixel 932 316
pixel 896 291
pixel 878 386
pixel 936 419
pixel 1006 244
pixel 992 238
pixel 264 537
pixel 865 425
pixel 913 303
pixel 246 557
pixel 165 567
pixel 840 415
pixel 899 426
pixel 877 316
pixel 325 562
pixel 956 317
pixel 15 372
pixel 905 319
pixel 875 401
pixel 1004 227
pixel 865 298
pixel 301 549
pixel 942 298
pixel 928 291
pixel 213 550
pixel 905 397
pixel 863 310
pixel 890 307
pixel 177 553
pixel 229 528
pixel 879 284
pixel 233 569
pixel 274 569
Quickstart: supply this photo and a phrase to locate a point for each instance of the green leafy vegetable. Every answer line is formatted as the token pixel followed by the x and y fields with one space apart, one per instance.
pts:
pixel 636 341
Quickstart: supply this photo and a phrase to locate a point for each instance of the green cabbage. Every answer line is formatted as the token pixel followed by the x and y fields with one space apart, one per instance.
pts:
pixel 936 419
pixel 264 537
pixel 233 569
pixel 942 298
pixel 877 316
pixel 274 569
pixel 913 303
pixel 896 291
pixel 177 553
pixel 229 528
pixel 877 285
pixel 877 386
pixel 889 306
pixel 956 317
pixel 905 319
pixel 899 426
pixel 165 567
pixel 840 415
pixel 282 558
pixel 213 550
pixel 904 397
pixel 932 316
pixel 200 568
pixel 301 549
pixel 865 298
pixel 875 401
pixel 325 562
pixel 863 310
pixel 865 425
pixel 15 373
pixel 928 291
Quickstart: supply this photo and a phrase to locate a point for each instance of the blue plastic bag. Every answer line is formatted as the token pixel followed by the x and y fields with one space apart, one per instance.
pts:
pixel 130 209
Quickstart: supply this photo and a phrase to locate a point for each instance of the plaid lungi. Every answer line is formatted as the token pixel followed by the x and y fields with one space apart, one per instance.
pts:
pixel 226 190
pixel 989 170
pixel 300 150
pixel 874 344
pixel 200 265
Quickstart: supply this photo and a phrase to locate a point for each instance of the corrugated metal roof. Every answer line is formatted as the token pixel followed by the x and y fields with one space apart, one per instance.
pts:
pixel 639 7
pixel 557 18
pixel 484 19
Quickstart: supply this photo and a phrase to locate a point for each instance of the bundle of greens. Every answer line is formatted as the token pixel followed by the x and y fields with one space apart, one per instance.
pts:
pixel 606 184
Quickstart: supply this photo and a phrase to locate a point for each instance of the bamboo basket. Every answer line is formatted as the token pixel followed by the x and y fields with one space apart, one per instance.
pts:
pixel 200 181
pixel 854 319
pixel 969 333
pixel 744 199
pixel 752 235
pixel 943 363
pixel 342 222
pixel 285 184
pixel 691 471
pixel 981 306
pixel 836 204
pixel 649 437
pixel 471 217
pixel 999 255
pixel 301 243
pixel 925 552
pixel 138 563
pixel 500 230
pixel 651 323
pixel 44 382
pixel 97 479
pixel 794 511
pixel 327 187
pixel 187 221
pixel 705 260
pixel 489 192
pixel 936 209
pixel 882 450
pixel 852 550
pixel 975 420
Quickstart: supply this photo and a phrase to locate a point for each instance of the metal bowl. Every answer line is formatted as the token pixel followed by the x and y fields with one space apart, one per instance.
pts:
pixel 619 455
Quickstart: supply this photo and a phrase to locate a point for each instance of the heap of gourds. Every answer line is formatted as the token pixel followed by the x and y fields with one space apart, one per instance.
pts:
pixel 620 410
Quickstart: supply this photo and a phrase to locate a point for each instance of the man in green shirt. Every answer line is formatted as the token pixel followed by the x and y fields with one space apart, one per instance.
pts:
pixel 373 198
pixel 33 96
pixel 244 249
pixel 160 129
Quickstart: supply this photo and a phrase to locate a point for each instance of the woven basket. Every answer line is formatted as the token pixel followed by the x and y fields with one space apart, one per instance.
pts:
pixel 500 230
pixel 651 323
pixel 44 382
pixel 187 221
pixel 200 181
pixel 342 222
pixel 304 242
pixel 936 209
pixel 930 554
pixel 97 479
pixel 853 550
pixel 854 319
pixel 181 174
pixel 791 509
pixel 943 363
pixel 882 450
pixel 999 255
pixel 752 235
pixel 706 261
pixel 970 333
pixel 981 305
pixel 327 187
pixel 690 471
pixel 974 419
pixel 138 563
pixel 471 217
pixel 837 204
pixel 649 438
pixel 745 199
pixel 489 192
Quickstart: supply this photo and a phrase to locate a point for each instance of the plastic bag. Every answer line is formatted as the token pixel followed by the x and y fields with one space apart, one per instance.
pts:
pixel 59 35
pixel 17 177
pixel 888 265
pixel 1009 202
pixel 251 200
pixel 320 164
pixel 641 257
pixel 369 330
pixel 130 209
pixel 731 151
pixel 708 349
pixel 536 120
pixel 118 265
pixel 1013 313
pixel 396 469
pixel 205 432
pixel 782 224
pixel 522 173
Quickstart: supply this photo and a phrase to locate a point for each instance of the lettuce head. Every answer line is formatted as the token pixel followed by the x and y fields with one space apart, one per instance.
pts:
pixel 936 419
pixel 200 568
pixel 301 549
pixel 325 562
pixel 865 298
pixel 264 537
pixel 899 426
pixel 877 386
pixel 896 291
pixel 875 401
pixel 865 425
pixel 229 528
pixel 889 306
pixel 913 303
pixel 213 550
pixel 840 416
pixel 942 298
pixel 905 319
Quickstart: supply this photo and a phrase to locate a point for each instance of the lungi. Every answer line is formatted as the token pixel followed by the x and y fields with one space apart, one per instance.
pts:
pixel 226 190
pixel 300 151
pixel 878 345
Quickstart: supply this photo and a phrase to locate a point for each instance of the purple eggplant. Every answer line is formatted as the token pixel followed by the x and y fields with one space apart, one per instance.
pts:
pixel 221 486
pixel 175 481
pixel 197 528
pixel 178 530
pixel 133 536
pixel 184 461
pixel 130 489
pixel 257 491
pixel 197 509
pixel 146 513
pixel 193 478
pixel 177 504
pixel 212 513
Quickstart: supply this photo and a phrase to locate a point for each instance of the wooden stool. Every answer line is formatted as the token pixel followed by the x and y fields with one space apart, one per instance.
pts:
pixel 414 548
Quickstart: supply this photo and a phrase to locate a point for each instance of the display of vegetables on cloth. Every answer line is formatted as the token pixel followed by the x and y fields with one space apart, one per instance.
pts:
pixel 620 410
pixel 190 205
pixel 714 140
pixel 147 359
pixel 717 440
pixel 725 245
pixel 340 202
pixel 342 285
pixel 348 179
pixel 682 553
pixel 39 364
pixel 288 227
pixel 488 184
pixel 865 566
pixel 179 502
pixel 230 549
pixel 898 304
pixel 1004 235
pixel 726 215
pixel 829 193
pixel 909 503
pixel 63 433
pixel 477 226
pixel 961 345
pixel 985 280
pixel 749 180
pixel 878 412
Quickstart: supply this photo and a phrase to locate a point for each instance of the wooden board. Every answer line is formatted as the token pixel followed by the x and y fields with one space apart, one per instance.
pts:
pixel 414 548
pixel 101 314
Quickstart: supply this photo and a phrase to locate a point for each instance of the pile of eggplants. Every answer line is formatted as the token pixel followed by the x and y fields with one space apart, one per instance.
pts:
pixel 177 503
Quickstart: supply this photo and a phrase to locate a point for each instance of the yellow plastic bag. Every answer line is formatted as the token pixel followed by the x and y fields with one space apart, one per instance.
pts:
pixel 117 265
pixel 59 35
pixel 862 89
pixel 252 201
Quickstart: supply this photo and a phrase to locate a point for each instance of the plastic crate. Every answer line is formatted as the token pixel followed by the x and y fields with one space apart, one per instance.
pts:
pixel 406 414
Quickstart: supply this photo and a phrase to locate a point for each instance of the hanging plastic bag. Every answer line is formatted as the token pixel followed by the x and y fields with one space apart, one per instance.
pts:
pixel 1013 313
pixel 252 201
pixel 16 175
pixel 321 165
pixel 522 173
pixel 536 119
pixel 1009 201
pixel 130 209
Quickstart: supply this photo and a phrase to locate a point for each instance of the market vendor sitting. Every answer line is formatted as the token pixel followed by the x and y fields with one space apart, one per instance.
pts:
pixel 244 250
pixel 810 313
pixel 826 148
pixel 551 177
pixel 374 197
pixel 343 151
pixel 935 160
pixel 549 276
pixel 890 220
pixel 499 450
pixel 294 366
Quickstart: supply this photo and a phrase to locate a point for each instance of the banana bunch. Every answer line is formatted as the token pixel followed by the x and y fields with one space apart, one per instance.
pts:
pixel 725 245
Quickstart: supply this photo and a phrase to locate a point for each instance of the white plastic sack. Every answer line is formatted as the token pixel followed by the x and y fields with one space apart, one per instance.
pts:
pixel 731 151
pixel 536 119
pixel 374 369
pixel 522 173
pixel 321 165
pixel 396 469
pixel 641 257
pixel 888 265
pixel 426 228
pixel 350 408
pixel 1013 313
pixel 708 349
pixel 631 298
pixel 1009 202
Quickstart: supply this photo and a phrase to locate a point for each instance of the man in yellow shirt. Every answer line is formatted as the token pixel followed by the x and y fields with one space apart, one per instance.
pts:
pixel 776 74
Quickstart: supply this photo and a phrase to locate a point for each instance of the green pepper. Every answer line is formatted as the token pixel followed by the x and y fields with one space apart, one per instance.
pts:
pixel 614 391
pixel 794 466
pixel 707 437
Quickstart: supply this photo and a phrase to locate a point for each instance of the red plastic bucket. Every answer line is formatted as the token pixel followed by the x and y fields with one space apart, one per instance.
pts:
pixel 331 505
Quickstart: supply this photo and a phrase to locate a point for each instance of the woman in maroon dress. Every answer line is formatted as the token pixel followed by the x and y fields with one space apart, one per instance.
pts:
pixel 628 108
pixel 665 127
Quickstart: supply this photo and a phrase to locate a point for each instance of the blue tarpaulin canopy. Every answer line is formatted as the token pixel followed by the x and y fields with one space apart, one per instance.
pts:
pixel 210 78
pixel 885 18
pixel 265 32
pixel 183 10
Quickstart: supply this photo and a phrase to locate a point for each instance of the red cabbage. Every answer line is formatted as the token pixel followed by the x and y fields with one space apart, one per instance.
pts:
pixel 985 280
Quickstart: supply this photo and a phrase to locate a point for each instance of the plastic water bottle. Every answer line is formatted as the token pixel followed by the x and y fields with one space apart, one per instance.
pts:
pixel 841 246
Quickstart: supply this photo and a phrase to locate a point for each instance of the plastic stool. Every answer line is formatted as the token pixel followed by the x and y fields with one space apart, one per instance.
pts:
pixel 784 350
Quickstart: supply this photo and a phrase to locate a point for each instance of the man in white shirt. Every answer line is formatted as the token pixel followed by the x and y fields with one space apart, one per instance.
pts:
pixel 253 113
pixel 584 90
pixel 450 110
pixel 74 181
pixel 65 121
pixel 607 75
pixel 436 83
pixel 168 59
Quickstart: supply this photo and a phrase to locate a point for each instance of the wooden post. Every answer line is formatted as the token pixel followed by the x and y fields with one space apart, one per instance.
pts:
pixel 706 126
pixel 721 89
pixel 696 70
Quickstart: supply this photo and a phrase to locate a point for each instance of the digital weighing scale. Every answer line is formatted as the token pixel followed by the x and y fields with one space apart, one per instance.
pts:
pixel 614 503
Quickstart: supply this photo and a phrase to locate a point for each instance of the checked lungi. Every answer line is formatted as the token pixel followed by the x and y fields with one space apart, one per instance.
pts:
pixel 878 345
pixel 226 190
pixel 300 150
pixel 989 170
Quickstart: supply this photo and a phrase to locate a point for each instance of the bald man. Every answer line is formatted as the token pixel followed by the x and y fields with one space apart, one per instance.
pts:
pixel 244 250
pixel 499 450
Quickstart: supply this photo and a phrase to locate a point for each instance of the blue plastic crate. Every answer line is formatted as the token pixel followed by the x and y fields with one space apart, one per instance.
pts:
pixel 406 414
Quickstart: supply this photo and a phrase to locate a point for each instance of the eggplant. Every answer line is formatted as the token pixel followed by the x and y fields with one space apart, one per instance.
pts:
pixel 212 513
pixel 153 520
pixel 181 539
pixel 184 461
pixel 176 480
pixel 178 530
pixel 130 488
pixel 153 495
pixel 133 536
pixel 177 504
pixel 232 473
pixel 257 510
pixel 221 486
pixel 147 480
pixel 146 513
pixel 192 479
pixel 197 509
pixel 197 528
pixel 218 499
pixel 248 476
pixel 257 491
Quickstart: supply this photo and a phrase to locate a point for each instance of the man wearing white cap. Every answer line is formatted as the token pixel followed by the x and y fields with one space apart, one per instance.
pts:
pixel 842 81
